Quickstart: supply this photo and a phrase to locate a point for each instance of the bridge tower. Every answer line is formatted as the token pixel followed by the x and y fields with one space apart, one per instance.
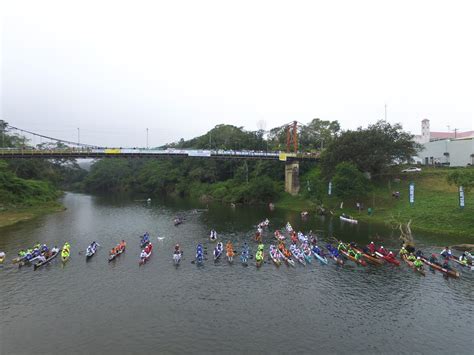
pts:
pixel 292 179
pixel 292 168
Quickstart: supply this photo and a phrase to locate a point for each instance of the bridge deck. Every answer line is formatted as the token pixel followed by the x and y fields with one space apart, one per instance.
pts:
pixel 97 153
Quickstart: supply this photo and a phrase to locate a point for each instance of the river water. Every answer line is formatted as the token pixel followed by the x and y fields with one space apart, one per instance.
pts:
pixel 101 307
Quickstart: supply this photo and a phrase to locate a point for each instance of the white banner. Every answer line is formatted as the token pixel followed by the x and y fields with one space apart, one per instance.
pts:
pixel 199 153
pixel 461 197
pixel 412 193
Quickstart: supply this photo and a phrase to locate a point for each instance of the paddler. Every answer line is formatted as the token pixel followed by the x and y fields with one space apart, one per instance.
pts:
pixel 446 253
pixel 390 256
pixel 341 246
pixel 403 252
pixel 382 251
pixel 446 264
pixel 418 263
pixel 294 238
pixel 143 254
pixel 353 253
pixel 419 253
pixel 463 259
pixel 411 257
pixel 433 259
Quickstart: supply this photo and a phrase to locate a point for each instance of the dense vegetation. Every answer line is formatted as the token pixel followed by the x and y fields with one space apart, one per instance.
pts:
pixel 260 181
pixel 32 182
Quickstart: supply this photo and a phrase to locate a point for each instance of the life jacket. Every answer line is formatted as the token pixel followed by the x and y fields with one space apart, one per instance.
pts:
pixel 371 248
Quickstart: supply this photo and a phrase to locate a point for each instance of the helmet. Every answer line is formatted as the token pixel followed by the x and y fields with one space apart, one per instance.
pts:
pixel 418 258
pixel 390 253
pixel 371 242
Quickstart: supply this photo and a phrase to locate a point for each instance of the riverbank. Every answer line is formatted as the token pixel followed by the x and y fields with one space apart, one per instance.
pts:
pixel 436 209
pixel 12 216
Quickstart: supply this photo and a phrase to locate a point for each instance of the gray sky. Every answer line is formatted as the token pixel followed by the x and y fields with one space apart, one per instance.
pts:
pixel 114 68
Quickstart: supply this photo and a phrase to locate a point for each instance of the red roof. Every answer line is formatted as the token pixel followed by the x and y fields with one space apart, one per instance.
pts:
pixel 445 135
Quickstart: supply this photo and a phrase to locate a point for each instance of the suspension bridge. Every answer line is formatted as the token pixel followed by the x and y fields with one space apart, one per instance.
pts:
pixel 64 149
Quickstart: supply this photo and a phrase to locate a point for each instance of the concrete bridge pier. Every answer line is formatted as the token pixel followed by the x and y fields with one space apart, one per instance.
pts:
pixel 292 179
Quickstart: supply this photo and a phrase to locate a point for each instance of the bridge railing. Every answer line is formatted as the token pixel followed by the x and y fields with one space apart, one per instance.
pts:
pixel 92 152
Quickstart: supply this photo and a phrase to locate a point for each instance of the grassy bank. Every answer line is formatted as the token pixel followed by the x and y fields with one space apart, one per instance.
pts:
pixel 436 209
pixel 14 215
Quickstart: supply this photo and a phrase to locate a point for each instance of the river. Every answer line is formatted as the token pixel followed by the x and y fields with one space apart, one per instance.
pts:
pixel 101 307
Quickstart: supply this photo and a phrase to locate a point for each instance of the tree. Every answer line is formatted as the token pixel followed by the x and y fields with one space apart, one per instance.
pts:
pixel 313 184
pixel 318 133
pixel 348 181
pixel 371 150
pixel 314 135
pixel 464 178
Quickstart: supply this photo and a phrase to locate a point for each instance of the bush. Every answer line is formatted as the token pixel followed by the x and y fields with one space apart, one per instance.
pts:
pixel 348 181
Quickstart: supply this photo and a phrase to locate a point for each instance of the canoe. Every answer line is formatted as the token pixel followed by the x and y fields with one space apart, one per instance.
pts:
pixel 65 254
pixel 461 265
pixel 447 272
pixel 145 259
pixel 244 257
pixel 288 261
pixel 350 257
pixel 387 259
pixel 308 257
pixel 322 260
pixel 298 256
pixel 349 220
pixel 177 257
pixel 279 236
pixel 218 250
pixel 113 256
pixel 40 264
pixel 336 259
pixel 259 259
pixel 370 258
pixel 28 262
pixel 276 260
pixel 90 252
pixel 412 265
pixel 199 259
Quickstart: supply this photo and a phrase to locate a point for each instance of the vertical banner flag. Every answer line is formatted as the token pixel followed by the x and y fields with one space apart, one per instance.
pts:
pixel 461 197
pixel 330 188
pixel 412 193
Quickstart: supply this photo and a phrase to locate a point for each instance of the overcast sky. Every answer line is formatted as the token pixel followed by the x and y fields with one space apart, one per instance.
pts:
pixel 115 68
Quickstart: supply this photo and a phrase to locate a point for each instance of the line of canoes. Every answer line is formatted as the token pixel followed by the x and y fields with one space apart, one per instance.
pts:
pixel 301 250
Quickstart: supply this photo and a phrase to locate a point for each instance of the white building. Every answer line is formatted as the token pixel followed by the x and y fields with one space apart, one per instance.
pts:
pixel 445 148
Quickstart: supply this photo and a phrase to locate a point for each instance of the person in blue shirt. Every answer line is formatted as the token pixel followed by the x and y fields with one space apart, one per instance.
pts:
pixel 446 253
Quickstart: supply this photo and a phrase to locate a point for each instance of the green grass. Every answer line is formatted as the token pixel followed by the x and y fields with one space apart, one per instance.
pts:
pixel 436 209
pixel 12 216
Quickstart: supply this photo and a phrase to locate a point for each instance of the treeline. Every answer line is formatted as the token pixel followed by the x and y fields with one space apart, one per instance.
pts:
pixel 230 181
pixel 27 182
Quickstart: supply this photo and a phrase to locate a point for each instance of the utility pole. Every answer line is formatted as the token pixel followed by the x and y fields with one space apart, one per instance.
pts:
pixel 147 138
pixel 455 132
pixel 78 136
